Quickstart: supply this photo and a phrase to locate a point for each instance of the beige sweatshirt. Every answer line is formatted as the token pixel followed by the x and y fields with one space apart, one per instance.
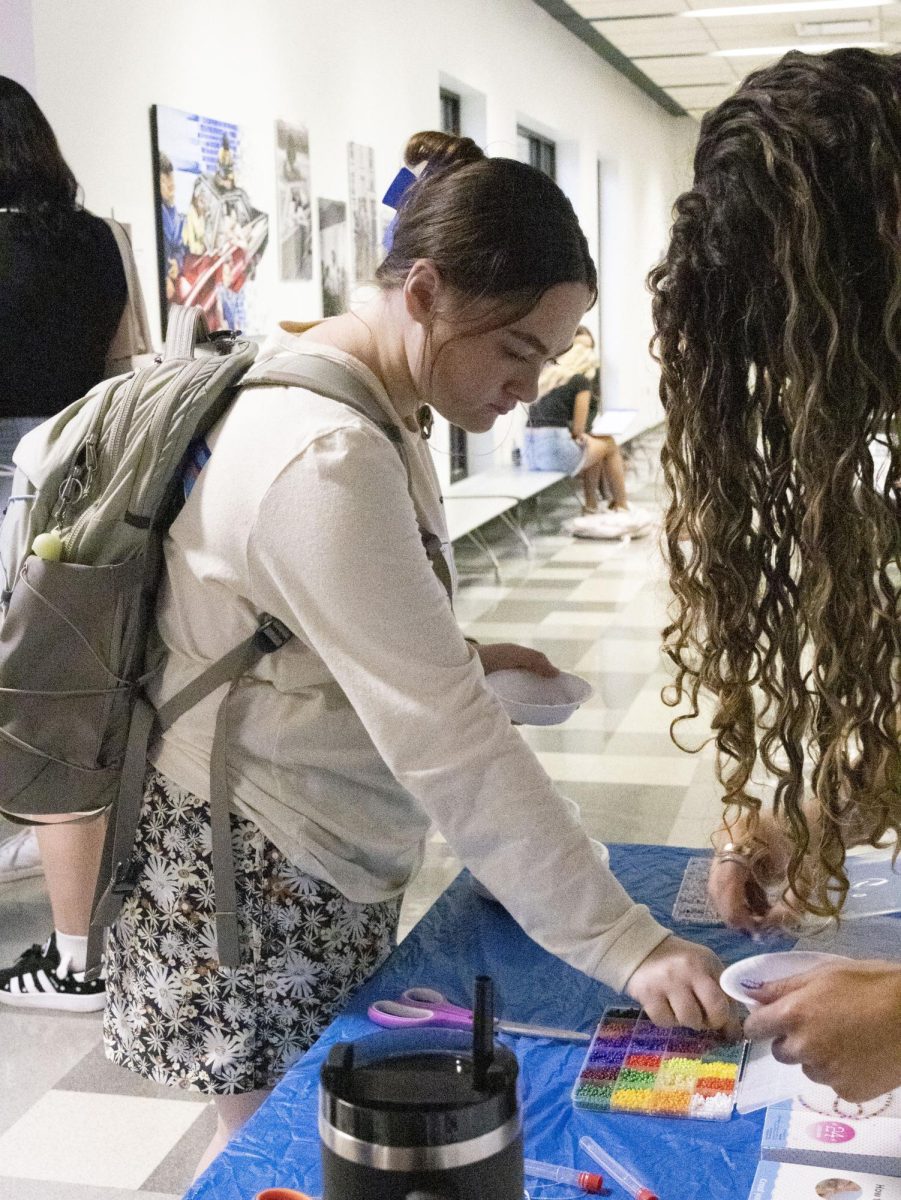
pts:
pixel 374 721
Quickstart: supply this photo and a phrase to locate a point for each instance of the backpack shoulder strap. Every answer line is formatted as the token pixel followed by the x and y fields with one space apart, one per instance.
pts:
pixel 117 877
pixel 291 368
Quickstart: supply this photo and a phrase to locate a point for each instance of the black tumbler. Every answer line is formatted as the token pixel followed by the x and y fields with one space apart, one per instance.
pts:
pixel 409 1114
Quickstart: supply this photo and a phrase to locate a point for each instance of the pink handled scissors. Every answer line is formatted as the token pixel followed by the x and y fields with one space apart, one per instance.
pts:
pixel 425 1006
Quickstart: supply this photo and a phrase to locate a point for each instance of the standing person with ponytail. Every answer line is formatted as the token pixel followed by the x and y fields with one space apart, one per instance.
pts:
pixel 777 313
pixel 374 720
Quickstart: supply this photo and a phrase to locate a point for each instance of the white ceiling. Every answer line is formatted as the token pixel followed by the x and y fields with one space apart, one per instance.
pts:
pixel 674 51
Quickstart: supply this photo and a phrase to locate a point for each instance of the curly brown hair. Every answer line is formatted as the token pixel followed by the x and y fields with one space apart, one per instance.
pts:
pixel 777 312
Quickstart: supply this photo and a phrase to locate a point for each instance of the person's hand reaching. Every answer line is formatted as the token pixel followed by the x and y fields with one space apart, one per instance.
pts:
pixel 678 984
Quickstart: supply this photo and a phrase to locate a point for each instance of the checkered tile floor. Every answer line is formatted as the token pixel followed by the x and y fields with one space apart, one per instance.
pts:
pixel 73 1125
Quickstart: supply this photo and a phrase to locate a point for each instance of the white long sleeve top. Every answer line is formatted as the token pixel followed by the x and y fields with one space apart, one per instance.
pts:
pixel 374 720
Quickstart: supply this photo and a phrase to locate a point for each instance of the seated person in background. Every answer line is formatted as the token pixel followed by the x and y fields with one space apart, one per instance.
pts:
pixel 558 438
pixel 776 314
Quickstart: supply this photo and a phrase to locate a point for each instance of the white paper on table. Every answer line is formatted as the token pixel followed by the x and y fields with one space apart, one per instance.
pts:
pixel 869 937
pixel 862 1137
pixel 875 885
pixel 765 1081
pixel 613 421
pixel 787 1181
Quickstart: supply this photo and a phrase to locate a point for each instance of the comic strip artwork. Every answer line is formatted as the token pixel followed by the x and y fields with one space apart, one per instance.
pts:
pixel 295 214
pixel 210 236
pixel 333 251
pixel 364 210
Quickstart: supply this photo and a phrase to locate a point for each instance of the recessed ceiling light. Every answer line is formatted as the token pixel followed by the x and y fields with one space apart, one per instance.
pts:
pixel 806 48
pixel 836 28
pixel 785 6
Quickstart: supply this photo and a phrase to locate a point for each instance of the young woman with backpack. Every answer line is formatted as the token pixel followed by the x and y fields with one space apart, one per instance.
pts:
pixel 374 720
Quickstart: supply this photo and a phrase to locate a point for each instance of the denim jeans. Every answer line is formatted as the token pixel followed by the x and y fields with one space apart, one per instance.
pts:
pixel 551 448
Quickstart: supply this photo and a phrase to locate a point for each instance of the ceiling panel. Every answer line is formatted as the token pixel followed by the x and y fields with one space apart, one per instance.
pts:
pixel 781 31
pixel 703 97
pixel 625 8
pixel 672 72
pixel 674 33
pixel 843 12
pixel 678 53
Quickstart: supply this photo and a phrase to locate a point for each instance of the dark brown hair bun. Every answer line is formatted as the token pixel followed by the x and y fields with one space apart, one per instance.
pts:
pixel 440 150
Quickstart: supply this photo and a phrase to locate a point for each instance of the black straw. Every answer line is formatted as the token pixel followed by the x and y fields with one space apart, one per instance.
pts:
pixel 482 1030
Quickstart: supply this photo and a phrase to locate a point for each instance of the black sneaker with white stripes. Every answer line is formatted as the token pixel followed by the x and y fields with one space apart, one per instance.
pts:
pixel 41 979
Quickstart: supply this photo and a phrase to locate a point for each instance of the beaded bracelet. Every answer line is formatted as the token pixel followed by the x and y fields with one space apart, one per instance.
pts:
pixel 733 852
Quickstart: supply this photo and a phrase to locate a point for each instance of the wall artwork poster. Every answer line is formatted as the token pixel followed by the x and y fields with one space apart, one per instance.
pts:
pixel 333 253
pixel 364 208
pixel 295 213
pixel 210 236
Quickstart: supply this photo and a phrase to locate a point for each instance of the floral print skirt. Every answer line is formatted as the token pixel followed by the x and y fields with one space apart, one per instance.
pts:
pixel 173 1014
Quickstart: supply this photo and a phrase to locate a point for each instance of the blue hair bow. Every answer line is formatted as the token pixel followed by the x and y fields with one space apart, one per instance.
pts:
pixel 397 189
pixel 398 186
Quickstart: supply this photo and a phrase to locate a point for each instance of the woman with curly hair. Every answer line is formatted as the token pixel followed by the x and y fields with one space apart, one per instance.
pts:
pixel 778 329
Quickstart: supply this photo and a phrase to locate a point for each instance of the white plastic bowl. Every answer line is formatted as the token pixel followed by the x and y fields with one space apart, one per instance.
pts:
pixel 534 699
pixel 766 968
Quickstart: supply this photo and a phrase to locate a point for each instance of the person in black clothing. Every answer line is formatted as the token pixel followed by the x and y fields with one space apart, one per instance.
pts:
pixel 62 283
pixel 63 292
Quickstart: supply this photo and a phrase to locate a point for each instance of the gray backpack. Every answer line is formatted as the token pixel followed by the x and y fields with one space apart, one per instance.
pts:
pixel 102 481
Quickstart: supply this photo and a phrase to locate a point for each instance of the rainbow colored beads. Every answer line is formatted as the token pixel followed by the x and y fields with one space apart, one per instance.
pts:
pixel 632 1066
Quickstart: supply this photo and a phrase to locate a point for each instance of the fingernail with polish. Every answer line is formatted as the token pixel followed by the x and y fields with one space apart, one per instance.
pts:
pixel 751 985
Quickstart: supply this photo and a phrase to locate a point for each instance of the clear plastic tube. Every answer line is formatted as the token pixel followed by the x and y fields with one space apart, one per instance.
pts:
pixel 624 1178
pixel 586 1180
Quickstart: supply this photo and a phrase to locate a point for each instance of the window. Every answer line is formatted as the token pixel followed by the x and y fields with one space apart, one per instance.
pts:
pixel 602 183
pixel 450 123
pixel 537 151
pixel 450 112
pixel 459 465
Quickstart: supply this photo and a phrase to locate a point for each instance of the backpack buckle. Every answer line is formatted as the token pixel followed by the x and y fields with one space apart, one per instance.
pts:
pixel 271 634
pixel 223 340
pixel 125 878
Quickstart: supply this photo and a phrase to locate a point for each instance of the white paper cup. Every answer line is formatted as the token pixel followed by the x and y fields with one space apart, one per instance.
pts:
pixel 766 968
pixel 534 699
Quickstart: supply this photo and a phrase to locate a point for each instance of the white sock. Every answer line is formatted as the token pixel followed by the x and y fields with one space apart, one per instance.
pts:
pixel 74 948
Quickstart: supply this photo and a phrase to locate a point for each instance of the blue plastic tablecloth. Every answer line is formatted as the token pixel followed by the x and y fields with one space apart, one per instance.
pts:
pixel 463 935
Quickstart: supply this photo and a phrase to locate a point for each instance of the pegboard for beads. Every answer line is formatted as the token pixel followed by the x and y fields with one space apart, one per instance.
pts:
pixel 693 905
pixel 633 1066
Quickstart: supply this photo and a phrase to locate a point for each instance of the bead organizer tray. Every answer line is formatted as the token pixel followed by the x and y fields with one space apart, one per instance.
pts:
pixel 633 1066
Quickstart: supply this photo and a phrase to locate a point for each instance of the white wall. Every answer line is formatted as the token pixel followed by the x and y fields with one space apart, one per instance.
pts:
pixel 365 71
pixel 16 45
